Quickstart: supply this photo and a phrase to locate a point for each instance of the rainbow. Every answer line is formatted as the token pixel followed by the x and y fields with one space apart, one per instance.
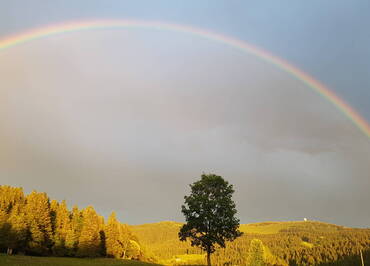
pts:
pixel 317 86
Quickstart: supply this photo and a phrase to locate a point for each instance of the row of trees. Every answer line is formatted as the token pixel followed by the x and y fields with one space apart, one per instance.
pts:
pixel 35 225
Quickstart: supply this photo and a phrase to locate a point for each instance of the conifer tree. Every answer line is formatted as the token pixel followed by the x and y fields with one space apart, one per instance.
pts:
pixel 74 231
pixel 112 231
pixel 117 237
pixel 89 241
pixel 256 253
pixel 9 196
pixel 19 226
pixel 62 224
pixel 37 211
pixel 4 230
pixel 10 201
pixel 103 248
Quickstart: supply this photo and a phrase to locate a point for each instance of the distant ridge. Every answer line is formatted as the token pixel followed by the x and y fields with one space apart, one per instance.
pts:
pixel 304 242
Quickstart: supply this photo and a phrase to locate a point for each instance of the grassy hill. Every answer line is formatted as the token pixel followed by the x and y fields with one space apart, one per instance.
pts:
pixel 276 227
pixel 54 261
pixel 286 242
pixel 154 233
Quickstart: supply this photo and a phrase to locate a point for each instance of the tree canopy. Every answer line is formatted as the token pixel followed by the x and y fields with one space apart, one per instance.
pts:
pixel 210 214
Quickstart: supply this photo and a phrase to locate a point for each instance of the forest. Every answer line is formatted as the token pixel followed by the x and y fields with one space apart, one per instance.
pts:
pixel 284 243
pixel 35 225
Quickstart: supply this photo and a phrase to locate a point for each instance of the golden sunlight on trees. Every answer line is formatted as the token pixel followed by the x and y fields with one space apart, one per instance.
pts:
pixel 37 210
pixel 256 253
pixel 210 214
pixel 62 223
pixel 89 241
pixel 117 238
pixel 34 225
pixel 73 231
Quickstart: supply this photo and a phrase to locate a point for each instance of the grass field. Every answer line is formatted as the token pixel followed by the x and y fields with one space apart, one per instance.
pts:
pixel 51 261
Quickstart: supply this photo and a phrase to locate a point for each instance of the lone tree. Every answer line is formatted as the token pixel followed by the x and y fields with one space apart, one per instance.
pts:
pixel 210 214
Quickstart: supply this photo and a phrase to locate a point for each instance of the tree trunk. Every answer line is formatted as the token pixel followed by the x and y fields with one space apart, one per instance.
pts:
pixel 208 258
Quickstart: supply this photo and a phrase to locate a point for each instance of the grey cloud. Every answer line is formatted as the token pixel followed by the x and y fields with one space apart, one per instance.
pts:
pixel 124 121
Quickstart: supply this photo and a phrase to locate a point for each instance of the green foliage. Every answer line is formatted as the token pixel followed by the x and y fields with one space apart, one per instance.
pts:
pixel 210 214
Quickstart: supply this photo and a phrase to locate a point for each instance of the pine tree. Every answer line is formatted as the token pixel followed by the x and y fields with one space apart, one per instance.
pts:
pixel 9 196
pixel 5 230
pixel 10 201
pixel 20 230
pixel 102 248
pixel 62 224
pixel 74 231
pixel 38 217
pixel 89 241
pixel 112 231
pixel 256 252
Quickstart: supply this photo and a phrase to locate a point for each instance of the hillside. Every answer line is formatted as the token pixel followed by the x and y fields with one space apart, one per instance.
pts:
pixel 33 225
pixel 276 227
pixel 296 242
pixel 154 233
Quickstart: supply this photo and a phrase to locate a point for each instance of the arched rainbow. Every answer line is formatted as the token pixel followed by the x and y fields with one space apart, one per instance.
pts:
pixel 340 104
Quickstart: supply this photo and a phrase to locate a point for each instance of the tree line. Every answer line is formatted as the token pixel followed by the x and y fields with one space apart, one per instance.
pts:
pixel 307 243
pixel 33 225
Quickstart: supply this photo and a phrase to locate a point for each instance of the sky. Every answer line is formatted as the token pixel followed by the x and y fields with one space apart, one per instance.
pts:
pixel 126 119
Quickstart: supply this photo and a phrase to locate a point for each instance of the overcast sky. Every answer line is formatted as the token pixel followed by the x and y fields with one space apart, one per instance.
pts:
pixel 124 120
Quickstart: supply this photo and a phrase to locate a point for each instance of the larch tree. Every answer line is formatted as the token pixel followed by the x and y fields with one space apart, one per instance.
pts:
pixel 210 214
